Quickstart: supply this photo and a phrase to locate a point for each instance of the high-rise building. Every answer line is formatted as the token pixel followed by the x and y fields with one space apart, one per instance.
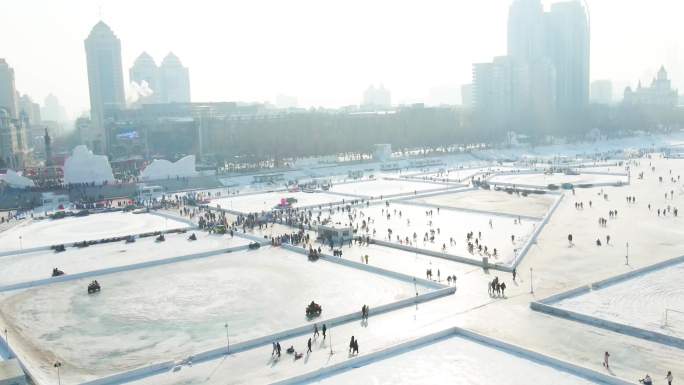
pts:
pixel 145 70
pixel 52 110
pixel 379 97
pixel 601 92
pixel 526 36
pixel 29 109
pixel 13 150
pixel 467 95
pixel 174 81
pixel 546 71
pixel 8 90
pixel 568 46
pixel 105 81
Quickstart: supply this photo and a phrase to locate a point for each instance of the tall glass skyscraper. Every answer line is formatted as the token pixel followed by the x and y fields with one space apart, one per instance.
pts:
pixel 105 81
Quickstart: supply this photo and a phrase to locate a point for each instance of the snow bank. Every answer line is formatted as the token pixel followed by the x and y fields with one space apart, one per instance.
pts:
pixel 85 167
pixel 163 169
pixel 15 179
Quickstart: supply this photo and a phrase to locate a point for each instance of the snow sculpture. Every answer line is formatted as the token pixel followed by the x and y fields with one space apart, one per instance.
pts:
pixel 85 167
pixel 163 169
pixel 15 179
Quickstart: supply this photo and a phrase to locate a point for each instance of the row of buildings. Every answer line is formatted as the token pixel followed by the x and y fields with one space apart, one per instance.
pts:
pixel 167 83
pixel 19 116
pixel 545 73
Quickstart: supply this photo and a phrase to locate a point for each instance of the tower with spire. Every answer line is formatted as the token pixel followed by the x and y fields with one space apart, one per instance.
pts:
pixel 48 148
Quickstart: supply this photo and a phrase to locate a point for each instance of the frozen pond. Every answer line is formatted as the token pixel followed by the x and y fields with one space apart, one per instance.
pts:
pixel 172 311
pixel 455 360
pixel 406 220
pixel 38 265
pixel 533 205
pixel 639 301
pixel 544 180
pixel 385 187
pixel 267 201
pixel 75 229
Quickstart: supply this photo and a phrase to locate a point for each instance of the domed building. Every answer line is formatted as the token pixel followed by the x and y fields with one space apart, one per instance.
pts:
pixel 660 93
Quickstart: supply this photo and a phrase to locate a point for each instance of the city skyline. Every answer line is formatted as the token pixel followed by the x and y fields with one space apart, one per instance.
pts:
pixel 229 70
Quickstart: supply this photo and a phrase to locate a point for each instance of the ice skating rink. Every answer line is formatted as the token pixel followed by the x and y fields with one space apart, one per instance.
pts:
pixel 172 311
pixel 455 360
pixel 267 201
pixel 640 301
pixel 384 187
pixel 533 205
pixel 405 220
pixel 75 229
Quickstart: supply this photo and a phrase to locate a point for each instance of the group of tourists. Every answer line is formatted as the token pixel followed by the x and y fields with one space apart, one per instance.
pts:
pixel 496 288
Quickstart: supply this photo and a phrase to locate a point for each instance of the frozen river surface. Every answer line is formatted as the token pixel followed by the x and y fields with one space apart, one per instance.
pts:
pixel 75 229
pixel 404 220
pixel 534 205
pixel 38 265
pixel 455 360
pixel 385 187
pixel 172 311
pixel 639 301
pixel 267 201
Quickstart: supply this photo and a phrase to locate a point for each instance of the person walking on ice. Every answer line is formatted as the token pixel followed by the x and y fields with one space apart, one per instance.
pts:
pixel 606 356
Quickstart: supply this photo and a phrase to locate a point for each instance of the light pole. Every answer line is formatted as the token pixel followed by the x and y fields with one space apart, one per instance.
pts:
pixel 531 287
pixel 227 339
pixel 330 334
pixel 58 365
pixel 9 352
pixel 627 255
pixel 20 245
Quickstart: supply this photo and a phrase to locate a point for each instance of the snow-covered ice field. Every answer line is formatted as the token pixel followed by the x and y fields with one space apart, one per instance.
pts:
pixel 75 229
pixel 533 205
pixel 385 187
pixel 172 311
pixel 459 175
pixel 640 301
pixel 38 265
pixel 451 224
pixel 544 180
pixel 267 201
pixel 455 360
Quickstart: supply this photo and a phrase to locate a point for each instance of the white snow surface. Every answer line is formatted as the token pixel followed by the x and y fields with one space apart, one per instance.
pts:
pixel 376 188
pixel 533 205
pixel 85 167
pixel 267 201
pixel 455 360
pixel 38 265
pixel 639 301
pixel 163 169
pixel 451 224
pixel 75 229
pixel 172 311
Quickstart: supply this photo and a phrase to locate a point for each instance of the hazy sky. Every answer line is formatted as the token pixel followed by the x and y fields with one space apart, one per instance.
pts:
pixel 324 52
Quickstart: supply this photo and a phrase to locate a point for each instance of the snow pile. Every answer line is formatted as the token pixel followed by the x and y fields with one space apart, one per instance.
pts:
pixel 163 169
pixel 15 179
pixel 85 167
